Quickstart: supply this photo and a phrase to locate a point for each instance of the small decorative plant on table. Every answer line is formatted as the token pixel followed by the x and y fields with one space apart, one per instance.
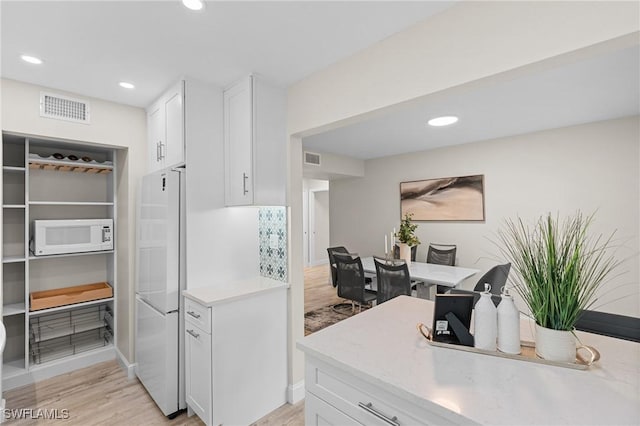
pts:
pixel 559 270
pixel 407 237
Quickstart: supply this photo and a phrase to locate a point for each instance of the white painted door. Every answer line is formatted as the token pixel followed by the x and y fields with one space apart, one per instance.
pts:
pixel 238 140
pixel 156 355
pixel 198 371
pixel 318 226
pixel 155 134
pixel 172 151
pixel 305 227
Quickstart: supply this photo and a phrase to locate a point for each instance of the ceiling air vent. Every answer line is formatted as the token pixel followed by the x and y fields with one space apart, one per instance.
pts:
pixel 311 158
pixel 64 108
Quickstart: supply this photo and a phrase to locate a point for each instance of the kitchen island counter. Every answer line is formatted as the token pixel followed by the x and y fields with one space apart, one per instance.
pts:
pixel 381 350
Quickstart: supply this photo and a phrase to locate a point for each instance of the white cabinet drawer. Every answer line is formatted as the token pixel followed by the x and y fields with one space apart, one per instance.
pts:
pixel 198 315
pixel 319 413
pixel 362 401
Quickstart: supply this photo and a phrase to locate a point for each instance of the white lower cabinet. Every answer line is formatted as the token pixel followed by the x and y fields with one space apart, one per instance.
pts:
pixel 236 356
pixel 346 399
pixel 198 370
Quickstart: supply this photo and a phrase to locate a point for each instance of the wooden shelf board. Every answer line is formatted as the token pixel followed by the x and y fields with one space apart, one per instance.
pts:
pixel 13 309
pixel 13 206
pixel 65 307
pixel 55 256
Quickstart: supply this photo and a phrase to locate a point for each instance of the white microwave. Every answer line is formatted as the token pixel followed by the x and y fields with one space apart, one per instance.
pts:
pixel 71 236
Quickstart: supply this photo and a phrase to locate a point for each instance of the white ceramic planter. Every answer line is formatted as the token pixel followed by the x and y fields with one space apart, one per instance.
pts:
pixel 555 345
pixel 563 346
pixel 405 252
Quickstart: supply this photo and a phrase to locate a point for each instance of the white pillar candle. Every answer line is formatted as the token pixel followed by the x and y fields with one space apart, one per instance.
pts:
pixel 392 243
pixel 385 244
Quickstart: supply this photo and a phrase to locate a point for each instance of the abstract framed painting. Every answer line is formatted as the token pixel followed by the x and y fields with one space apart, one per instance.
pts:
pixel 452 198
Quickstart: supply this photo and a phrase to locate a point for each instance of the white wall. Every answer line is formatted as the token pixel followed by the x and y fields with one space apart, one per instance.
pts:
pixel 116 125
pixel 592 167
pixel 222 243
pixel 333 166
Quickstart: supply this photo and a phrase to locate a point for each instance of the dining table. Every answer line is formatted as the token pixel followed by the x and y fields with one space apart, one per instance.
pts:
pixel 428 274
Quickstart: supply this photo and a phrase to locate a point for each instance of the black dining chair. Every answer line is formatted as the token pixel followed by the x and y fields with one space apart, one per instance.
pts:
pixel 332 262
pixel 612 325
pixel 351 281
pixel 496 277
pixel 442 254
pixel 331 251
pixel 392 279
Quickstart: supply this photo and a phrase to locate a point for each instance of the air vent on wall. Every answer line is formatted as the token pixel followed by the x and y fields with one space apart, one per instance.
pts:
pixel 311 158
pixel 64 108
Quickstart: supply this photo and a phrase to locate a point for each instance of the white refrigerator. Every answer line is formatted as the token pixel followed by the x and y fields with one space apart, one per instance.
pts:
pixel 159 339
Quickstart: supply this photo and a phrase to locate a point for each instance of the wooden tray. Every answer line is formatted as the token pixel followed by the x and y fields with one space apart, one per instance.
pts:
pixel 528 352
pixel 69 295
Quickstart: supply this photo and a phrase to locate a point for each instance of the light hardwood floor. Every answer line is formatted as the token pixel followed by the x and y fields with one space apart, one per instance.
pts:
pixel 103 395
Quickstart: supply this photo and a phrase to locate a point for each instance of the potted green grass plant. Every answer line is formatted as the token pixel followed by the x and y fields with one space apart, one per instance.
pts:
pixel 559 270
pixel 407 237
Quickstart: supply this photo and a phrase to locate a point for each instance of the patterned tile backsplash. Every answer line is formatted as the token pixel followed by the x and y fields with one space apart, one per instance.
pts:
pixel 272 228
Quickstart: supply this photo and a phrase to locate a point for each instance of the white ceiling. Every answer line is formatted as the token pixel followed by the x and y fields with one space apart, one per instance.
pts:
pixel 599 88
pixel 89 46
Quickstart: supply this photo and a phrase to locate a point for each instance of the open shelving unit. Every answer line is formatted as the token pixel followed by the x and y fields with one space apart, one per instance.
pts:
pixel 37 186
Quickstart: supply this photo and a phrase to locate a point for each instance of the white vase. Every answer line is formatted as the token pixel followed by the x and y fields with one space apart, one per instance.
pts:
pixel 555 345
pixel 405 252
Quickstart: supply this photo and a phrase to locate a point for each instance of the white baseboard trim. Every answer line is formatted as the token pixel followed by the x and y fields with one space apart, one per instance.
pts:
pixel 295 392
pixel 130 368
pixel 319 262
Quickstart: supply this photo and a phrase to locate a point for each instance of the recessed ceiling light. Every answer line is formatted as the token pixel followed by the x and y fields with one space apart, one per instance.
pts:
pixel 126 85
pixel 442 121
pixel 31 59
pixel 193 4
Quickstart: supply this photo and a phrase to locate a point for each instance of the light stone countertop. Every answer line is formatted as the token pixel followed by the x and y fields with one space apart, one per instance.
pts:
pixel 233 290
pixel 383 347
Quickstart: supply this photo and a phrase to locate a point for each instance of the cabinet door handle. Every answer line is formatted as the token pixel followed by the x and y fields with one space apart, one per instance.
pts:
pixel 194 314
pixel 368 407
pixel 193 333
pixel 244 183
pixel 162 154
pixel 158 151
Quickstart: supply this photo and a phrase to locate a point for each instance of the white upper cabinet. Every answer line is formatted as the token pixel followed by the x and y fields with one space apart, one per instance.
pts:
pixel 165 129
pixel 255 144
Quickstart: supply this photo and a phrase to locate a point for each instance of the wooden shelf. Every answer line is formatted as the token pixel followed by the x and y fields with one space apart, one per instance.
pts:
pixel 69 166
pixel 13 309
pixel 70 203
pixel 67 296
pixel 13 206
